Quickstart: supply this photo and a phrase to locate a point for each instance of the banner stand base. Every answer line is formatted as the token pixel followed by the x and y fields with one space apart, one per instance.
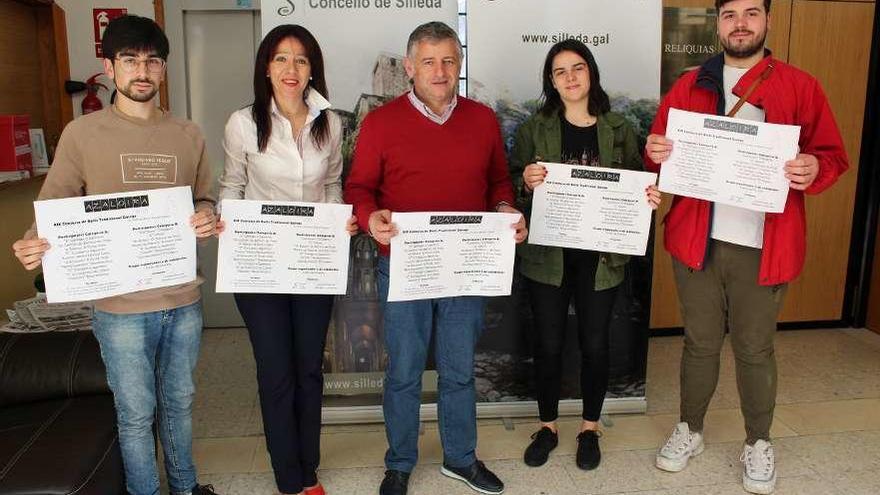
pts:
pixel 428 412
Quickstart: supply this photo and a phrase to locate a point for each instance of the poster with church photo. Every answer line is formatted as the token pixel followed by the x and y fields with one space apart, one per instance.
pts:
pixel 363 43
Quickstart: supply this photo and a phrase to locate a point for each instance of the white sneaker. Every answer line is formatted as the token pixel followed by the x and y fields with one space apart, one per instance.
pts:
pixel 759 468
pixel 679 447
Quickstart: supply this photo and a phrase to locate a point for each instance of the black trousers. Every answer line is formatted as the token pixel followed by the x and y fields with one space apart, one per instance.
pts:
pixel 288 333
pixel 593 309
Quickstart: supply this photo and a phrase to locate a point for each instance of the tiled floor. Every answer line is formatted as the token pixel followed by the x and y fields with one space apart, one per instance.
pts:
pixel 826 431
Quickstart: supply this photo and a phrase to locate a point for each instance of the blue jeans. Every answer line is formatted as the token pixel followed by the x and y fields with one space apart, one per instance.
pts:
pixel 150 358
pixel 456 323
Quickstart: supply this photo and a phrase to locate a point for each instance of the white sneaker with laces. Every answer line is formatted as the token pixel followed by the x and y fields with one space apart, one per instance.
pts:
pixel 681 445
pixel 759 468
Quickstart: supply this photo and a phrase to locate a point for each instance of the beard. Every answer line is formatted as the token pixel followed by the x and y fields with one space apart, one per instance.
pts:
pixel 139 97
pixel 745 50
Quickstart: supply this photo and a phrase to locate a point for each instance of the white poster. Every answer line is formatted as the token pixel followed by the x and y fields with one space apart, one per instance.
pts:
pixel 509 40
pixel 280 247
pixel 450 254
pixel 595 208
pixel 363 42
pixel 731 161
pixel 507 43
pixel 111 244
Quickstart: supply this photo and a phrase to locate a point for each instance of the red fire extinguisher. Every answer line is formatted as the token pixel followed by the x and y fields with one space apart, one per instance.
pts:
pixel 91 102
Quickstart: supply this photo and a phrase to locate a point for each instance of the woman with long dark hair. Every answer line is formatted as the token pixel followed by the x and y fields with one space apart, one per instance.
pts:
pixel 575 125
pixel 287 147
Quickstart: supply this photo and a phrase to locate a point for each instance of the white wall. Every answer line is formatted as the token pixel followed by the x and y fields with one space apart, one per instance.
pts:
pixel 81 41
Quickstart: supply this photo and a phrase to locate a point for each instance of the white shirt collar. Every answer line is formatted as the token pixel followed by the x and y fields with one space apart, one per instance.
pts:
pixel 425 110
pixel 315 101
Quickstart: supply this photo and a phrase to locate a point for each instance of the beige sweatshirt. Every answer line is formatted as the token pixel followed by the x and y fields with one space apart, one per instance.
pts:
pixel 106 152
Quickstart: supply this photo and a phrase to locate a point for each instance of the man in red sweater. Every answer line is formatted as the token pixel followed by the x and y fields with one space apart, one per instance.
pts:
pixel 732 265
pixel 430 150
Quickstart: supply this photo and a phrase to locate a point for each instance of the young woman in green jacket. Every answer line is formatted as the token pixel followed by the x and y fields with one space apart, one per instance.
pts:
pixel 575 125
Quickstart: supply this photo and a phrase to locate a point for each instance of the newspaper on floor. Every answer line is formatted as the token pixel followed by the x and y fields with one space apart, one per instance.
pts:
pixel 37 315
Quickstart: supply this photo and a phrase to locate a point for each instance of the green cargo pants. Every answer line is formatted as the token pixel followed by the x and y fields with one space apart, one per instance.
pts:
pixel 726 295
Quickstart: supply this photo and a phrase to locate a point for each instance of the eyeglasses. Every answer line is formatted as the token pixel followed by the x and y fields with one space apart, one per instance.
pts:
pixel 575 69
pixel 130 64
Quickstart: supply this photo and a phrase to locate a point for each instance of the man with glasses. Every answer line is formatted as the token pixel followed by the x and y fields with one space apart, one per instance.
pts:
pixel 149 339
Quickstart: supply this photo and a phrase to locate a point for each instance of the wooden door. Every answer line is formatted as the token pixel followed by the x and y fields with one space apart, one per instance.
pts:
pixel 831 41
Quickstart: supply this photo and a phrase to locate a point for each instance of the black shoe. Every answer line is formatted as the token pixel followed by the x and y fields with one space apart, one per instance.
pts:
pixel 203 490
pixel 477 476
pixel 588 454
pixel 543 441
pixel 395 483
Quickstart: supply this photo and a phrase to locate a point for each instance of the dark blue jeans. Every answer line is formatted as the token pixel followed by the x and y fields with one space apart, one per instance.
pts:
pixel 287 334
pixel 456 324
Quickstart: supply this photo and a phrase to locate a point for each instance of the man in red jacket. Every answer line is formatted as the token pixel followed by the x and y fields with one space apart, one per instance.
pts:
pixel 732 265
pixel 429 150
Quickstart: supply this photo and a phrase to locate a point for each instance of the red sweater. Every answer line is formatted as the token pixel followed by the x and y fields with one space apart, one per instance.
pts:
pixel 405 162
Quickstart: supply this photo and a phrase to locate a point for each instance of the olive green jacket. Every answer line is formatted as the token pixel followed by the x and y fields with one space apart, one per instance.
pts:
pixel 540 139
